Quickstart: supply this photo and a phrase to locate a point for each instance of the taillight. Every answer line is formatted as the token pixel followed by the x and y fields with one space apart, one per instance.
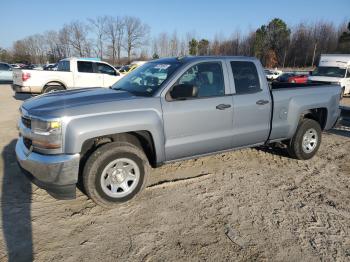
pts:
pixel 25 76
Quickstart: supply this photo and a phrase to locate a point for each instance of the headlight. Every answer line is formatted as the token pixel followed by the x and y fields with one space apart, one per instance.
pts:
pixel 335 83
pixel 45 127
pixel 46 134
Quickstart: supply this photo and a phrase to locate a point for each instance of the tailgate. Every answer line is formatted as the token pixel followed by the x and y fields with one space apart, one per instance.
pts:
pixel 17 77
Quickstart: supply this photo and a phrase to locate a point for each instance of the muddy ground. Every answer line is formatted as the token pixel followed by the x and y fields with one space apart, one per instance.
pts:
pixel 252 204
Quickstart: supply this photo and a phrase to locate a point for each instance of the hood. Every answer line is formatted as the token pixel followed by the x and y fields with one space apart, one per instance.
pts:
pixel 325 79
pixel 70 102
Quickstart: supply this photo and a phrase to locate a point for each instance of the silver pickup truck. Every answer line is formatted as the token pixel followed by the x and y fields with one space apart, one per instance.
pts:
pixel 166 110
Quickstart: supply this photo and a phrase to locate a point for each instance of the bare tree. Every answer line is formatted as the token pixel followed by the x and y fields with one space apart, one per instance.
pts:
pixel 163 44
pixel 77 37
pixel 64 42
pixel 99 26
pixel 136 33
pixel 174 44
pixel 114 31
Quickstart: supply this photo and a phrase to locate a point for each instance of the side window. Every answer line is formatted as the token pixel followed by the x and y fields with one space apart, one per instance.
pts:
pixel 105 69
pixel 85 67
pixel 4 67
pixel 207 77
pixel 246 77
pixel 348 73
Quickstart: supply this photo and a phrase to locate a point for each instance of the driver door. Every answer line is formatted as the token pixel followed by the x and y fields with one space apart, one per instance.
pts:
pixel 202 124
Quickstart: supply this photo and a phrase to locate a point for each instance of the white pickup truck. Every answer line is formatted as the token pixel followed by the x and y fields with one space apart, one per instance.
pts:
pixel 71 73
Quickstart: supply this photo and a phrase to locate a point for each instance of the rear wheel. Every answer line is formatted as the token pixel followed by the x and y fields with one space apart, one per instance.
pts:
pixel 342 92
pixel 115 173
pixel 49 89
pixel 306 140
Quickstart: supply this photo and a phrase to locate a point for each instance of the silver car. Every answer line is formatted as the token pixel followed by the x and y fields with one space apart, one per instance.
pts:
pixel 6 73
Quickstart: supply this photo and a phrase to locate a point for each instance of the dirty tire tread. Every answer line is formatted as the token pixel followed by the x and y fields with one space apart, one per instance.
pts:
pixel 295 146
pixel 92 166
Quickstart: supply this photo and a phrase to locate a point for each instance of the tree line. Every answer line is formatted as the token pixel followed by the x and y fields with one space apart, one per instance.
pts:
pixel 119 40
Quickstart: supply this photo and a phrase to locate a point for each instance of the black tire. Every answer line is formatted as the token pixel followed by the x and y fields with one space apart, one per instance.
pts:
pixel 342 93
pixel 100 159
pixel 295 146
pixel 48 89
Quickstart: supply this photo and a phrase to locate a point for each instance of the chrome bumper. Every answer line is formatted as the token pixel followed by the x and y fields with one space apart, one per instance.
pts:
pixel 58 174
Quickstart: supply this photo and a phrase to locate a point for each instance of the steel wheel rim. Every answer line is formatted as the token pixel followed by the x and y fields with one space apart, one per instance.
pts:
pixel 120 177
pixel 310 140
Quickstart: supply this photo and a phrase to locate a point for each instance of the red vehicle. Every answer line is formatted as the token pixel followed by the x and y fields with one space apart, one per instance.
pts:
pixel 301 79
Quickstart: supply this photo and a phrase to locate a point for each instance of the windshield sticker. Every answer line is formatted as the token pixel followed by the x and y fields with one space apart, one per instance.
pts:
pixel 162 66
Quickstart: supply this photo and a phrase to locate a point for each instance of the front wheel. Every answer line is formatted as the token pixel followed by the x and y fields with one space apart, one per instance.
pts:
pixel 115 173
pixel 306 140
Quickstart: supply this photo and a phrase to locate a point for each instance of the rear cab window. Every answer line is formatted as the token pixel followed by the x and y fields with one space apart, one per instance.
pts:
pixel 246 77
pixel 63 66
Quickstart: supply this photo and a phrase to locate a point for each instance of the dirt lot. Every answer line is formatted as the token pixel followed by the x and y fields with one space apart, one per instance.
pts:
pixel 253 204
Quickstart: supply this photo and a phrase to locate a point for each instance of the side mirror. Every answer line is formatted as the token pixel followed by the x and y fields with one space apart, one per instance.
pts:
pixel 183 91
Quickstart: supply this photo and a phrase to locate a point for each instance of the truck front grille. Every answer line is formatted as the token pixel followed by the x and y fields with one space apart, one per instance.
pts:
pixel 27 142
pixel 27 122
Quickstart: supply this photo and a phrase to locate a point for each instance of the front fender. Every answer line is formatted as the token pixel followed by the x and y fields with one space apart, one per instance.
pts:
pixel 80 129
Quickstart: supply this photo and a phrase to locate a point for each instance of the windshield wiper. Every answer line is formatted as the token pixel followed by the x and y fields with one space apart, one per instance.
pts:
pixel 122 89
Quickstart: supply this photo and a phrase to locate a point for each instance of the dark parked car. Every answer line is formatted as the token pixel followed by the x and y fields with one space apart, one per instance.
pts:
pixel 50 67
pixel 284 77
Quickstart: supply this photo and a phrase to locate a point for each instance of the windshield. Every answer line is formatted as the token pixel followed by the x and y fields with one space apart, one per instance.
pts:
pixel 146 79
pixel 124 68
pixel 329 71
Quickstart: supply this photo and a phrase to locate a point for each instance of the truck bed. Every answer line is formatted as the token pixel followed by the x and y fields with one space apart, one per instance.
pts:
pixel 280 85
pixel 291 100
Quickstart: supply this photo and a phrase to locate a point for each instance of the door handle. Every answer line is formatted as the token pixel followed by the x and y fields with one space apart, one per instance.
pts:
pixel 223 106
pixel 262 102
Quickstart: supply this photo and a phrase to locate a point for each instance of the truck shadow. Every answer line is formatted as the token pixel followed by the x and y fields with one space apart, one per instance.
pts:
pixel 16 208
pixel 22 96
pixel 342 129
pixel 5 82
pixel 274 150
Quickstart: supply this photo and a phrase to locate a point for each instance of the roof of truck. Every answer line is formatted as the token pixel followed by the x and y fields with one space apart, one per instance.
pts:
pixel 338 60
pixel 188 59
pixel 91 59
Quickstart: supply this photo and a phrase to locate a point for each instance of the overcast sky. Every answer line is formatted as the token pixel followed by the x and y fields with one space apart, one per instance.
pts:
pixel 206 17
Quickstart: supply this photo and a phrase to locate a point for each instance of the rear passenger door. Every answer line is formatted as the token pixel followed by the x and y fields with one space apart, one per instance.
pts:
pixel 251 104
pixel 201 124
pixel 86 75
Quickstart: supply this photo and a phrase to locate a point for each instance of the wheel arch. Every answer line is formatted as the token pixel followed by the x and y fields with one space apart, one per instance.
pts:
pixel 317 114
pixel 54 83
pixel 142 139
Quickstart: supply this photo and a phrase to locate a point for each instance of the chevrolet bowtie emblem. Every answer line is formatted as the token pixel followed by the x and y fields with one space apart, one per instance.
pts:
pixel 29 151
